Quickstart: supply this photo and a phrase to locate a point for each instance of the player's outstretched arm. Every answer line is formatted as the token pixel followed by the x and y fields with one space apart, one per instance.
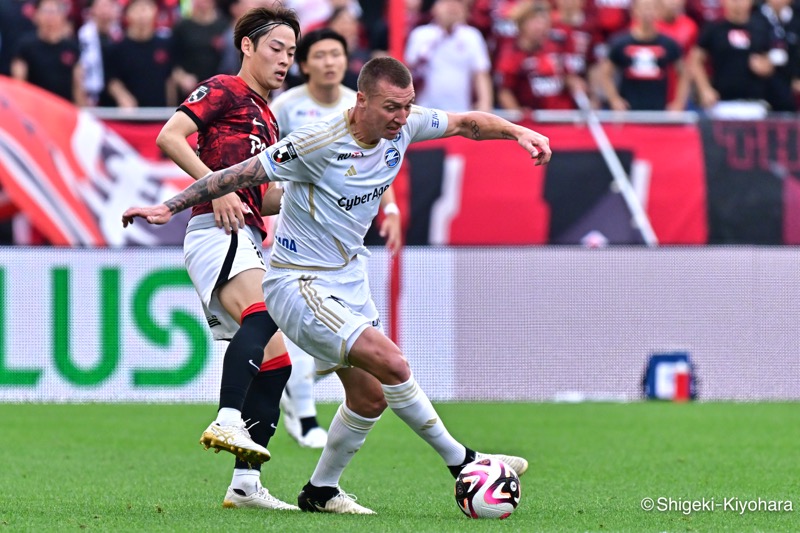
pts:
pixel 248 173
pixel 482 126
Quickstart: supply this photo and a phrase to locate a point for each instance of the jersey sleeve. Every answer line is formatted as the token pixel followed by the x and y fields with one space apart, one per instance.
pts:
pixel 425 123
pixel 616 52
pixel 706 38
pixel 286 161
pixel 674 51
pixel 760 30
pixel 210 100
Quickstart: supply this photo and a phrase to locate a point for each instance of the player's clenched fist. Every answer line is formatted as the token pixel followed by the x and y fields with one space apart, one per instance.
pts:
pixel 157 214
pixel 537 145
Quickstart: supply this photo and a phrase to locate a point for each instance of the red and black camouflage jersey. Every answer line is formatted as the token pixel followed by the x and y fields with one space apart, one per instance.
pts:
pixel 234 123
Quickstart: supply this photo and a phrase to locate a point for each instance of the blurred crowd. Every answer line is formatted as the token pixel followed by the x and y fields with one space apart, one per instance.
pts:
pixel 483 54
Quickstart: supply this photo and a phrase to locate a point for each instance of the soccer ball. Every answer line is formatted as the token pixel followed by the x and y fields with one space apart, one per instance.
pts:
pixel 488 488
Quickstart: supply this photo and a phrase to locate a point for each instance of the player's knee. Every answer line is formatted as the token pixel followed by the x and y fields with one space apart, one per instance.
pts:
pixel 371 407
pixel 396 369
pixel 275 348
pixel 368 403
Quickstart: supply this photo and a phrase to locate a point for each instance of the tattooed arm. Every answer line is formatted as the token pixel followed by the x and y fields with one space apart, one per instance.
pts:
pixel 245 174
pixel 485 126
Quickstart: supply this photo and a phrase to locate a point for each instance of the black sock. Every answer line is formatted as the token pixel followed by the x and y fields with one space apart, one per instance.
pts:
pixel 262 404
pixel 307 424
pixel 469 457
pixel 243 358
pixel 321 494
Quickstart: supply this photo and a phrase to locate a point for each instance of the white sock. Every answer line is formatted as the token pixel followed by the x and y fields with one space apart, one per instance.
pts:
pixel 227 416
pixel 301 384
pixel 346 435
pixel 246 480
pixel 412 405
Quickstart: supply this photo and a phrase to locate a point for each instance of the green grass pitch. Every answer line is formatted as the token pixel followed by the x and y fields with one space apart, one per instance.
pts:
pixel 140 468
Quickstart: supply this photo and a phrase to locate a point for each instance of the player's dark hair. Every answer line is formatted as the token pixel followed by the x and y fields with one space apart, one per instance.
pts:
pixel 383 68
pixel 259 21
pixel 313 37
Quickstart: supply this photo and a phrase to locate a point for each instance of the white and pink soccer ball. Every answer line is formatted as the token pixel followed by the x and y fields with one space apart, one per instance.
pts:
pixel 488 488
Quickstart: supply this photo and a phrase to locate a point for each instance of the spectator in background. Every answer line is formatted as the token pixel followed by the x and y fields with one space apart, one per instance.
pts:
pixel 229 60
pixel 414 15
pixel 50 57
pixel 739 64
pixel 15 22
pixel 345 23
pixel 495 20
pixel 676 24
pixel 610 16
pixel 776 23
pixel 450 61
pixel 101 30
pixel 197 44
pixel 531 71
pixel 642 57
pixel 374 19
pixel 140 66
pixel 704 11
pixel 580 35
pixel 314 14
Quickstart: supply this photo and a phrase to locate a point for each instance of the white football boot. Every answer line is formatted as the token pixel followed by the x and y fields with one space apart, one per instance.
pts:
pixel 339 503
pixel 236 440
pixel 260 499
pixel 518 464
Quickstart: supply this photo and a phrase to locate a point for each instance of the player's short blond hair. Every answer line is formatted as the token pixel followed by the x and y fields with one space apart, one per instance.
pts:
pixel 383 68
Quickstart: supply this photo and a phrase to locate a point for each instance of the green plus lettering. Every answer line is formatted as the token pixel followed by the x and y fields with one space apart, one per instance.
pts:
pixel 9 376
pixel 109 326
pixel 161 335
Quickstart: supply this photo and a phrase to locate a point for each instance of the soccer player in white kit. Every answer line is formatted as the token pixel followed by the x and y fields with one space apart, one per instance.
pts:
pixel 322 57
pixel 317 288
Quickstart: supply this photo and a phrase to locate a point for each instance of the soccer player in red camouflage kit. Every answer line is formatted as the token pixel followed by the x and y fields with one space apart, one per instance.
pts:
pixel 222 247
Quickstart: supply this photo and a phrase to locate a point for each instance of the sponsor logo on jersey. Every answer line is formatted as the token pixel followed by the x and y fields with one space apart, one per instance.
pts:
pixel 392 157
pixel 397 137
pixel 284 153
pixel 342 157
pixel 198 94
pixel 350 203
pixel 434 119
pixel 287 243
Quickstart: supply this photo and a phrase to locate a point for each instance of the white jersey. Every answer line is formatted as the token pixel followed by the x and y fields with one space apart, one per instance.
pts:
pixel 334 188
pixel 296 107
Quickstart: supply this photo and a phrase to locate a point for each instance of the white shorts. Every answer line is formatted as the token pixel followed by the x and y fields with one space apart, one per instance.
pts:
pixel 323 312
pixel 212 258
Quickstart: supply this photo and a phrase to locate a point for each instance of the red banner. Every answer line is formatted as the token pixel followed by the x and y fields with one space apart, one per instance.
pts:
pixel 73 177
pixel 491 193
